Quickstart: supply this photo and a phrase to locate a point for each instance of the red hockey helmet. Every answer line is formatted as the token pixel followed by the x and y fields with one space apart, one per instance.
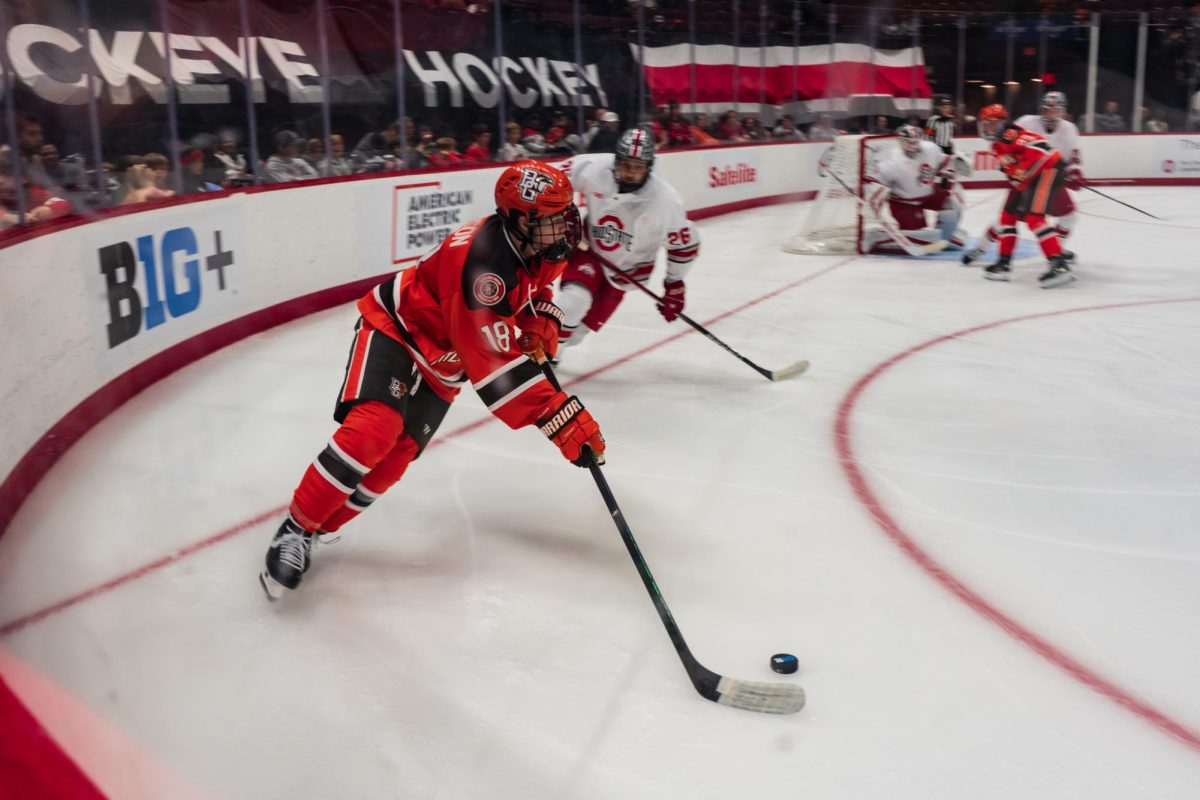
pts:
pixel 992 120
pixel 543 197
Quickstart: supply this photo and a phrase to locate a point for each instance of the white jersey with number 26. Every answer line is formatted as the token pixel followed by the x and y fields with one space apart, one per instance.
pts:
pixel 627 229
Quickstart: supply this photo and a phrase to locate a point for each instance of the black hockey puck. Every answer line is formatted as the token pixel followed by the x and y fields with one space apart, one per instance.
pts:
pixel 784 663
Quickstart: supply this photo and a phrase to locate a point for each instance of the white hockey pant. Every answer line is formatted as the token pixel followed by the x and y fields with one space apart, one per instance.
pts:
pixel 574 299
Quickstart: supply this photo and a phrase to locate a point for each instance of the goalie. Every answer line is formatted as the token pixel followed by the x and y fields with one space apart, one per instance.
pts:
pixel 912 179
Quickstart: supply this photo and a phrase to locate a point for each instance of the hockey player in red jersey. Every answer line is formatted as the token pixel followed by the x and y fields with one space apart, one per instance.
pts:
pixel 1036 172
pixel 477 308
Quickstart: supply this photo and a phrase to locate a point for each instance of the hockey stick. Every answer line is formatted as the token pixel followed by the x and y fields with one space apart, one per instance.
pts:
pixel 909 246
pixel 769 698
pixel 771 375
pixel 1122 202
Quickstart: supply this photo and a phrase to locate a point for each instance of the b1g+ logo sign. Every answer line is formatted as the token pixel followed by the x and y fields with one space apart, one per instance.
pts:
pixel 156 278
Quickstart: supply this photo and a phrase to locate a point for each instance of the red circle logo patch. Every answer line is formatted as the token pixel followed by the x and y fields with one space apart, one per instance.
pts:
pixel 488 289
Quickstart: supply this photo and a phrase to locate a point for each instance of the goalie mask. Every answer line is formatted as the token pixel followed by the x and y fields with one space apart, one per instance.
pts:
pixel 634 158
pixel 1054 108
pixel 992 120
pixel 542 197
pixel 910 140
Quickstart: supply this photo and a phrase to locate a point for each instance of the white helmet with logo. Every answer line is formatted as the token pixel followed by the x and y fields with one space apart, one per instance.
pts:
pixel 635 144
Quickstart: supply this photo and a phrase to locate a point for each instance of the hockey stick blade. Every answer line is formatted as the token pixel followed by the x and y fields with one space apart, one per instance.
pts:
pixel 790 372
pixel 767 698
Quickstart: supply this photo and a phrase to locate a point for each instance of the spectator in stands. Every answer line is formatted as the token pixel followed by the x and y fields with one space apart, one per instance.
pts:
pixel 445 153
pixel 881 124
pixel 337 164
pixel 557 133
pixel 195 163
pixel 532 138
pixel 822 129
pixel 700 133
pixel 40 205
pixel 480 151
pixel 68 174
pixel 593 128
pixel 1111 120
pixel 512 149
pixel 606 135
pixel 137 182
pixel 730 130
pixel 159 172
pixel 679 130
pixel 233 162
pixel 656 127
pixel 753 130
pixel 285 165
pixel 785 130
pixel 374 147
pixel 426 144
pixel 314 151
pixel 29 143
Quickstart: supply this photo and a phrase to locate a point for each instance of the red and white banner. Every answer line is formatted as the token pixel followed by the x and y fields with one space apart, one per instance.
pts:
pixel 821 76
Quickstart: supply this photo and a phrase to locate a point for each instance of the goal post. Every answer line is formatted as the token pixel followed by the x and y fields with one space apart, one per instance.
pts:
pixel 836 221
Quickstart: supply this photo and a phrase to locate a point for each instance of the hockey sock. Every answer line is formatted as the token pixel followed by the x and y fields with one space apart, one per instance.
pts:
pixel 1065 225
pixel 1044 231
pixel 367 435
pixel 374 484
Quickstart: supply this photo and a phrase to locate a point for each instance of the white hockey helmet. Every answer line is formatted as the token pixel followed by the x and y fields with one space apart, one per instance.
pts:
pixel 635 145
pixel 910 140
pixel 1054 108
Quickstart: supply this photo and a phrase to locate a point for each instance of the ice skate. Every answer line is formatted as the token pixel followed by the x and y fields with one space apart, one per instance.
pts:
pixel 1058 273
pixel 1000 271
pixel 288 558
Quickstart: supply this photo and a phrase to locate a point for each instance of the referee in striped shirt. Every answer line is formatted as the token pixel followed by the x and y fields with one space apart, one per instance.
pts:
pixel 939 128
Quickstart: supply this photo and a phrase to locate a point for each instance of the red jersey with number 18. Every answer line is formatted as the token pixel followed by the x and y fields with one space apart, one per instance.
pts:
pixel 457 312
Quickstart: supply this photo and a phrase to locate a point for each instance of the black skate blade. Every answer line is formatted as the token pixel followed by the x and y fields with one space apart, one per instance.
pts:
pixel 271 587
pixel 1058 280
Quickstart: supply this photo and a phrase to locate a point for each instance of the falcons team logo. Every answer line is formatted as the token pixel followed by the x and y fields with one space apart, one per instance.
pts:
pixel 532 184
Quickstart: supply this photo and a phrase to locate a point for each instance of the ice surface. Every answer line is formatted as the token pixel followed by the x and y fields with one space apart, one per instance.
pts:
pixel 481 631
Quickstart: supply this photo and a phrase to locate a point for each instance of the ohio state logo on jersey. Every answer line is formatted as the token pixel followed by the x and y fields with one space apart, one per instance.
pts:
pixel 608 234
pixel 532 184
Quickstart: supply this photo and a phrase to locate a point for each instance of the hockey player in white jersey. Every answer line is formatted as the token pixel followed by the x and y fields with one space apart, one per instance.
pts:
pixel 911 179
pixel 631 213
pixel 1063 137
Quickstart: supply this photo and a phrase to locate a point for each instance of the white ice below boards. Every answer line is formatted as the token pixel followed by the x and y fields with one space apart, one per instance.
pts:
pixel 974 521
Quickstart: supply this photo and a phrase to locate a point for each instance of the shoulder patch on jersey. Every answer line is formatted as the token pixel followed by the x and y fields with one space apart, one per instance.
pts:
pixel 1010 134
pixel 488 289
pixel 489 271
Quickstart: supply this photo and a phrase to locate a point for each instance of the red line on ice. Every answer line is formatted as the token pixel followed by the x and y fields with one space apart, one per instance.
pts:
pixel 854 473
pixel 37 616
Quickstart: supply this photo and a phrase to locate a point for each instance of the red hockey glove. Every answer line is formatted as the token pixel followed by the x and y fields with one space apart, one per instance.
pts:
pixel 672 302
pixel 572 428
pixel 539 330
pixel 1074 178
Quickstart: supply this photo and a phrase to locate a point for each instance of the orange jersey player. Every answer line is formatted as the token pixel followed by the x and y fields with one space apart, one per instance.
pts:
pixel 477 309
pixel 1036 172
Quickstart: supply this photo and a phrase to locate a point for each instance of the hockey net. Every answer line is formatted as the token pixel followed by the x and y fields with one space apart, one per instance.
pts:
pixel 836 220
